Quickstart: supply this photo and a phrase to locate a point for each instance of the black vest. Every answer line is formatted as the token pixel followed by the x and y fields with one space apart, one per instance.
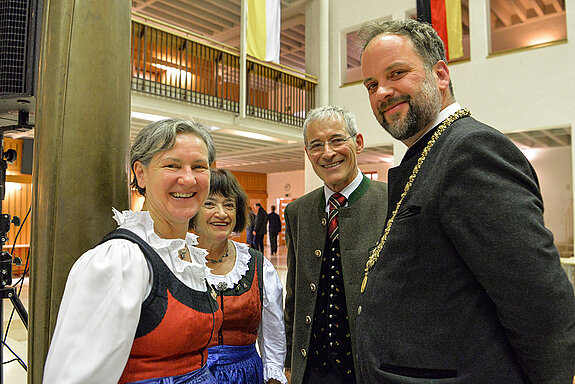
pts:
pixel 330 341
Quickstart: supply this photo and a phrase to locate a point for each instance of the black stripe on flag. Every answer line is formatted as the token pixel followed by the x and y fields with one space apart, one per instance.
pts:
pixel 424 11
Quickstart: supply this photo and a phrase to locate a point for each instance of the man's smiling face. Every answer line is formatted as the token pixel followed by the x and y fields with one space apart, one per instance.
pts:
pixel 336 167
pixel 404 96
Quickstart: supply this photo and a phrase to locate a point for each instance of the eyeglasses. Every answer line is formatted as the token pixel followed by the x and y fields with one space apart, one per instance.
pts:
pixel 318 147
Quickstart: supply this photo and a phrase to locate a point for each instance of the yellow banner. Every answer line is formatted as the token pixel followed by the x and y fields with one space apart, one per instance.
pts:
pixel 454 28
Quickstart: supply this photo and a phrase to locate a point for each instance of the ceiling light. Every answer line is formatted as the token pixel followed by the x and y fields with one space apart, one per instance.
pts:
pixel 257 136
pixel 147 116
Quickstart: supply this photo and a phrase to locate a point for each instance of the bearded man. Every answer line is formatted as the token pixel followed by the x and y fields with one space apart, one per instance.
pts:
pixel 465 284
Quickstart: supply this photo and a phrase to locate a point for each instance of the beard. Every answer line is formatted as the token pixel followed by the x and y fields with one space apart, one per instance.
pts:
pixel 423 108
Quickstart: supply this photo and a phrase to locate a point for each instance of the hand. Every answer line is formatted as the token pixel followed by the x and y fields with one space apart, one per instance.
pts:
pixel 287 372
pixel 273 381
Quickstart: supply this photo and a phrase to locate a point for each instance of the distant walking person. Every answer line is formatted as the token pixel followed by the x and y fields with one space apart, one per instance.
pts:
pixel 275 227
pixel 260 228
pixel 250 230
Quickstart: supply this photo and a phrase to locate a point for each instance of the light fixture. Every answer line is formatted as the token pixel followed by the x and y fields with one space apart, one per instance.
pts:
pixel 173 71
pixel 257 136
pixel 529 153
pixel 147 116
pixel 13 186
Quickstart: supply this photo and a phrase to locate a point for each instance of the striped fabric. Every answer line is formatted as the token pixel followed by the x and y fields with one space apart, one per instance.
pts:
pixel 445 17
pixel 335 201
pixel 263 29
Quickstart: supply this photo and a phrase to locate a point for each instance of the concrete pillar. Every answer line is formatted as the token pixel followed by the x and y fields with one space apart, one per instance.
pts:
pixel 317 40
pixel 80 151
pixel 324 54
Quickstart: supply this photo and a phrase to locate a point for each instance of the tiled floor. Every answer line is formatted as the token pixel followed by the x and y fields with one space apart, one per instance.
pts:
pixel 17 340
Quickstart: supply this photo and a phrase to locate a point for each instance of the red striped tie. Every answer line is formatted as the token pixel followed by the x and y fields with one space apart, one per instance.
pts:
pixel 335 201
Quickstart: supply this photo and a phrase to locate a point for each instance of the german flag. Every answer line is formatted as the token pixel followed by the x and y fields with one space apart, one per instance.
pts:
pixel 445 17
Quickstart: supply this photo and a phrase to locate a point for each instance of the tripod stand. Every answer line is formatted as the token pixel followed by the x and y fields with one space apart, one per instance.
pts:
pixel 6 290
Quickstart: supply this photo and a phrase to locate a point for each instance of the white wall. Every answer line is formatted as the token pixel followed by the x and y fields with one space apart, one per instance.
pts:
pixel 277 186
pixel 380 168
pixel 553 167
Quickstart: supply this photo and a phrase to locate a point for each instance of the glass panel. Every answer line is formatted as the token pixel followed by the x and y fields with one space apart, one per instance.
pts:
pixel 353 58
pixel 526 23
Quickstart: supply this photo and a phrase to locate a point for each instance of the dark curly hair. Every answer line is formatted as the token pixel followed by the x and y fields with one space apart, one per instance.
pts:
pixel 224 183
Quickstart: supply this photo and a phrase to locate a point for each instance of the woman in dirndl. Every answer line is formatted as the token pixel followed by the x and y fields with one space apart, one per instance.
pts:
pixel 137 308
pixel 250 292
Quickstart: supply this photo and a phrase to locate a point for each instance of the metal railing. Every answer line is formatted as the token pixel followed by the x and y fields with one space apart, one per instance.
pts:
pixel 182 68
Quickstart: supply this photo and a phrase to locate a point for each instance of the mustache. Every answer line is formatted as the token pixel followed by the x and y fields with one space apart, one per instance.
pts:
pixel 396 100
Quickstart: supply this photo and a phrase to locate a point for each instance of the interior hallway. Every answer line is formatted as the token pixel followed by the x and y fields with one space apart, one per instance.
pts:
pixel 17 340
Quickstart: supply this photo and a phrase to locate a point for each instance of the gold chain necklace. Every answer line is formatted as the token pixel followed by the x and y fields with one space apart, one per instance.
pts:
pixel 376 251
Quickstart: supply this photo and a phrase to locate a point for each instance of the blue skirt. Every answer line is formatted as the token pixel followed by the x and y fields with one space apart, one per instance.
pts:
pixel 199 376
pixel 236 364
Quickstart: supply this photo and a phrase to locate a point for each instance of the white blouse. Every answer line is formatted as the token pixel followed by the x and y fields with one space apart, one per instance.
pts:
pixel 101 306
pixel 271 333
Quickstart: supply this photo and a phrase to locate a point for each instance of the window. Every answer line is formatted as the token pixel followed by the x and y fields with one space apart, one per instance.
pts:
pixel 526 23
pixel 353 58
pixel 371 175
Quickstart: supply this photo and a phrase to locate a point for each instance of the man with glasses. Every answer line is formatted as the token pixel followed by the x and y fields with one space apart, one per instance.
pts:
pixel 329 233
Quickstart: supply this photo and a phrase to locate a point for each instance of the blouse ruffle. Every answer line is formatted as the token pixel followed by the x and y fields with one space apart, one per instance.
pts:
pixel 238 271
pixel 142 224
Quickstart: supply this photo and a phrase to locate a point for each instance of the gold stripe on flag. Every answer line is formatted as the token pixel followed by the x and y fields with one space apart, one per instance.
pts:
pixel 454 28
pixel 256 29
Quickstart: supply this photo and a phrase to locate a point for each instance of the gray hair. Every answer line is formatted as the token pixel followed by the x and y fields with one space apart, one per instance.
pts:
pixel 330 112
pixel 426 42
pixel 161 136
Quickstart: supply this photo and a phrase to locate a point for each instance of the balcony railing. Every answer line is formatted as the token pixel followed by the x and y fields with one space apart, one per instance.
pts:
pixel 179 67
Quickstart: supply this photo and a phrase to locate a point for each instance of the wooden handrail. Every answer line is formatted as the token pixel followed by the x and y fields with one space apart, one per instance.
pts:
pixel 163 26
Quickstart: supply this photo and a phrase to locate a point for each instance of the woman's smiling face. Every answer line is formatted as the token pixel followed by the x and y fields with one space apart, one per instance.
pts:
pixel 177 181
pixel 216 220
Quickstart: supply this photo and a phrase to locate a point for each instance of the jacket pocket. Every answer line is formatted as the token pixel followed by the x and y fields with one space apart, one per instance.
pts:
pixel 411 210
pixel 419 373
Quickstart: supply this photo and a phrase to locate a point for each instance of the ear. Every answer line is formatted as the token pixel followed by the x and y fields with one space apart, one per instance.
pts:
pixel 359 142
pixel 140 174
pixel 441 72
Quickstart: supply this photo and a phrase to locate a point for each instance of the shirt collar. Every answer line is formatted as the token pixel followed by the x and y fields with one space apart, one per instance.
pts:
pixel 442 115
pixel 347 191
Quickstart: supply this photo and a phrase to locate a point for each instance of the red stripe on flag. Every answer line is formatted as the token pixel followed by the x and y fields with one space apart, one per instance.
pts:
pixel 439 21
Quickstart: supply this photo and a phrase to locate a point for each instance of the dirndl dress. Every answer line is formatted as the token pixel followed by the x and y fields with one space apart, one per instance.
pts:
pixel 236 364
pixel 199 376
pixel 232 356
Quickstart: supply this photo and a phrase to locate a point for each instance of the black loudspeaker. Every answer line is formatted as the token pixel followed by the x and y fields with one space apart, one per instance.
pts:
pixel 27 156
pixel 19 51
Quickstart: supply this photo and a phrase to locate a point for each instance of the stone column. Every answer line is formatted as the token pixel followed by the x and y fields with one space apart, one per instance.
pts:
pixel 317 40
pixel 81 148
